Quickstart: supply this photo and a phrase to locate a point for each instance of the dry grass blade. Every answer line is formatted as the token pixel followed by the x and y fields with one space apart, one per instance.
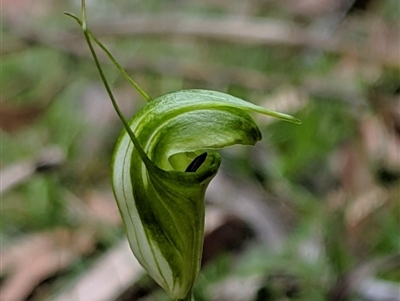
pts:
pixel 111 274
pixel 355 280
pixel 38 257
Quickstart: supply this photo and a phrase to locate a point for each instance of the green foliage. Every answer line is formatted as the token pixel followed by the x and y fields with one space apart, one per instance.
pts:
pixel 303 149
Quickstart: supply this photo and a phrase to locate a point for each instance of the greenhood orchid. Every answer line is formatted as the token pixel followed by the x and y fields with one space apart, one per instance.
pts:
pixel 163 162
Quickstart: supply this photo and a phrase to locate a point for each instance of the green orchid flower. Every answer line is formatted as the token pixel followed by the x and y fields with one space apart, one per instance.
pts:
pixel 163 162
pixel 161 202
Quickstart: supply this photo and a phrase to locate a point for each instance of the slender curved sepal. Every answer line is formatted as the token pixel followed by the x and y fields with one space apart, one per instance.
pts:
pixel 161 200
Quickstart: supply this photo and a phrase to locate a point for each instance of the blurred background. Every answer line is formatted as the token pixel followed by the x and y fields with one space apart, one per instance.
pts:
pixel 311 213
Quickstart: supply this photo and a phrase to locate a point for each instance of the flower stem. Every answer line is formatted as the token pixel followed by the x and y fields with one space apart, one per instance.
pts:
pixel 88 37
pixel 189 297
pixel 110 56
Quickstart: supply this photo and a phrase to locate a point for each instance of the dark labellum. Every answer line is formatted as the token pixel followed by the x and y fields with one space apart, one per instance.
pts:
pixel 196 163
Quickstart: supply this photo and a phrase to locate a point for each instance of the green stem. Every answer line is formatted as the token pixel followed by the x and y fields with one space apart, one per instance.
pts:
pixel 108 53
pixel 189 298
pixel 88 36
